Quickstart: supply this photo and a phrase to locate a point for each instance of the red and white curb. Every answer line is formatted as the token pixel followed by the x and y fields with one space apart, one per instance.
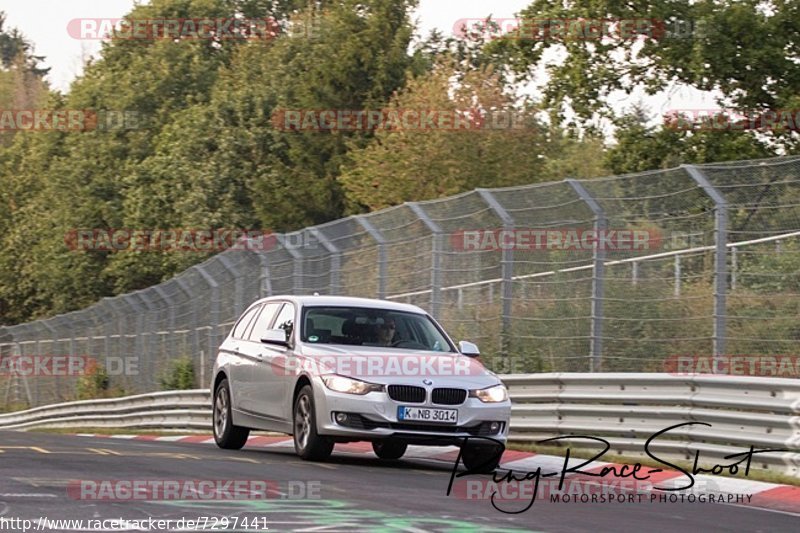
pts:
pixel 763 495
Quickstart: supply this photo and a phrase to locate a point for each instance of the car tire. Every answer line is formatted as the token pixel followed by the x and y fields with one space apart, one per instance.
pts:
pixel 308 444
pixel 481 459
pixel 389 449
pixel 226 435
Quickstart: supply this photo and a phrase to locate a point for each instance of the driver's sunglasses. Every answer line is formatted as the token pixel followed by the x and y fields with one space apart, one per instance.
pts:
pixel 387 326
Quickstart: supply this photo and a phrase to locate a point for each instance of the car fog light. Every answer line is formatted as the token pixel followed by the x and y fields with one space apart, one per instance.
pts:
pixel 341 418
pixel 494 427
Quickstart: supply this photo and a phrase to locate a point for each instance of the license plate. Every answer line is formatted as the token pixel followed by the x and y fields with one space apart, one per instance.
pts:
pixel 426 414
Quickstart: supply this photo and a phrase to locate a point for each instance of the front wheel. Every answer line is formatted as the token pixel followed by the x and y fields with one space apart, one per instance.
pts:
pixel 387 449
pixel 307 443
pixel 226 435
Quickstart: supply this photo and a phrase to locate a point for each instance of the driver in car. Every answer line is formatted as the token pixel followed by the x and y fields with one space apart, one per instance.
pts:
pixel 386 332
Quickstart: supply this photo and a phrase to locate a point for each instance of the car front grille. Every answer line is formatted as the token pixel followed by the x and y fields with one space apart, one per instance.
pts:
pixel 357 421
pixel 449 396
pixel 406 393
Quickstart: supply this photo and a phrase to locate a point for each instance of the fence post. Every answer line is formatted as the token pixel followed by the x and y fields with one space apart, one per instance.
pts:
pixel 100 319
pixel 53 339
pixel 506 269
pixel 297 264
pixel 598 276
pixel 214 318
pixel 184 286
pixel 720 259
pixel 238 284
pixel 169 337
pixel 169 305
pixel 16 377
pixel 42 326
pixel 436 260
pixel 109 323
pixel 266 282
pixel 138 341
pixel 150 353
pixel 116 330
pixel 382 255
pixel 336 261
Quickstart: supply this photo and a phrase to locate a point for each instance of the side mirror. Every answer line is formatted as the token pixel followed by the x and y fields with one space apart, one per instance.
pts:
pixel 469 349
pixel 275 336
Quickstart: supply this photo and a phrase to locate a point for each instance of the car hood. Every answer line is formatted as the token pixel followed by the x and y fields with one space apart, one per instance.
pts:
pixel 391 365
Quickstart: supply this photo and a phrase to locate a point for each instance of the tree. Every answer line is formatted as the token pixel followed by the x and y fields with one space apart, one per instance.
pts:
pixel 202 152
pixel 74 180
pixel 402 165
pixel 22 84
pixel 17 52
pixel 729 46
pixel 357 61
pixel 641 147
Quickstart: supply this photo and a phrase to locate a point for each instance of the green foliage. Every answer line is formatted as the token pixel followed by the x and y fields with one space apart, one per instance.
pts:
pixel 17 51
pixel 640 147
pixel 358 60
pixel 205 154
pixel 732 47
pixel 179 375
pixel 771 272
pixel 11 407
pixel 397 166
pixel 94 383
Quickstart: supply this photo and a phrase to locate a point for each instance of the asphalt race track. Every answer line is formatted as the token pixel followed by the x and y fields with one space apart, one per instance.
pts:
pixel 351 492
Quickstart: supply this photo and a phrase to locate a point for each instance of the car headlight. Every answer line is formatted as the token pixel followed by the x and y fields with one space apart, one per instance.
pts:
pixel 493 394
pixel 350 385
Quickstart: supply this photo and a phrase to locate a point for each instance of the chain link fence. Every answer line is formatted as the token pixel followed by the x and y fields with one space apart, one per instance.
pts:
pixel 718 274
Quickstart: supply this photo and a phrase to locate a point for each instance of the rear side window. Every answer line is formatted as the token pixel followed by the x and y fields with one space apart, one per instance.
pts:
pixel 263 321
pixel 241 326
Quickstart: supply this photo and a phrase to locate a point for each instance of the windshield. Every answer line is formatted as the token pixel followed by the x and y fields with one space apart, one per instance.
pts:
pixel 372 327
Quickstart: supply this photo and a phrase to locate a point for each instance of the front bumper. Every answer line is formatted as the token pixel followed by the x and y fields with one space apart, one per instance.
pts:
pixel 377 413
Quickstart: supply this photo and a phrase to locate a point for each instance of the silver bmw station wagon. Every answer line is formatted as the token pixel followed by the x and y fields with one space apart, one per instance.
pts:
pixel 329 369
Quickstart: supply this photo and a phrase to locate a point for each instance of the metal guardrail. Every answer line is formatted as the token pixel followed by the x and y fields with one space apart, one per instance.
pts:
pixel 623 408
pixel 626 409
pixel 182 410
